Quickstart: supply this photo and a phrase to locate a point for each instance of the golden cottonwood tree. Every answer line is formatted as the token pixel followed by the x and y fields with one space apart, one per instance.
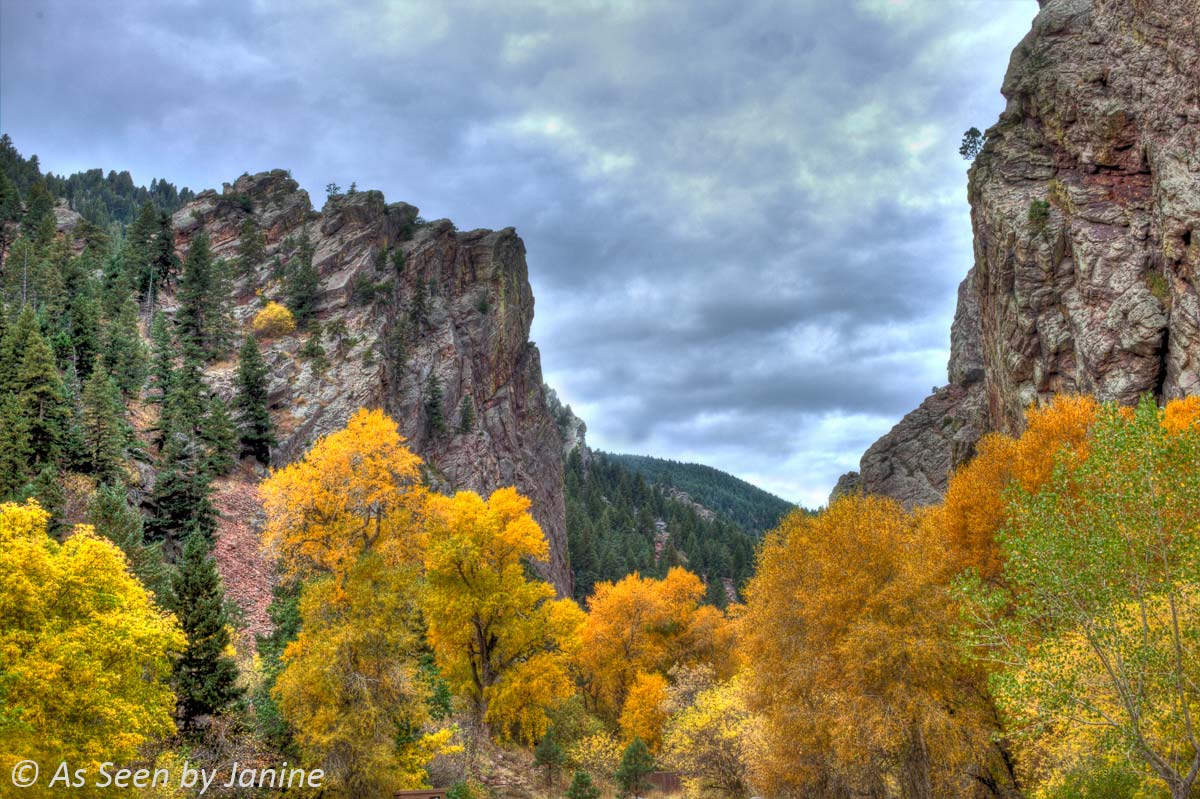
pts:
pixel 347 520
pixel 850 660
pixel 501 639
pixel 645 710
pixel 356 491
pixel 1097 629
pixel 639 626
pixel 85 656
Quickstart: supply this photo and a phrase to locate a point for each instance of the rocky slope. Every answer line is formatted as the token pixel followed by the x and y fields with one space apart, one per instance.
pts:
pixel 1085 205
pixel 473 338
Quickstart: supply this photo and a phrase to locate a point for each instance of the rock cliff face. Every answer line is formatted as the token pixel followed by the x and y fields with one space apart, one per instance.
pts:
pixel 472 338
pixel 1085 205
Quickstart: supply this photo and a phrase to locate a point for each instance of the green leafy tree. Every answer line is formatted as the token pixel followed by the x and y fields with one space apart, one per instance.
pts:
pixel 636 764
pixel 1094 631
pixel 257 434
pixel 205 676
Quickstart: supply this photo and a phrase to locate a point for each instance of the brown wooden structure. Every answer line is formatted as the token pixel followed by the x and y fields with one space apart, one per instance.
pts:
pixel 665 782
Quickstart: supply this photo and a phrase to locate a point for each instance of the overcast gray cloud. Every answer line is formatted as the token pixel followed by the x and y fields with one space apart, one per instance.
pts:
pixel 745 221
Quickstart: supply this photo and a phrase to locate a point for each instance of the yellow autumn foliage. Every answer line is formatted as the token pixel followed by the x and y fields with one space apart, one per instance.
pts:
pixel 641 625
pixel 501 639
pixel 273 320
pixel 644 713
pixel 85 655
pixel 356 491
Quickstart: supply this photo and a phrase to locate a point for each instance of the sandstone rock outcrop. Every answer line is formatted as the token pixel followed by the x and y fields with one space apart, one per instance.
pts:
pixel 469 337
pixel 1085 206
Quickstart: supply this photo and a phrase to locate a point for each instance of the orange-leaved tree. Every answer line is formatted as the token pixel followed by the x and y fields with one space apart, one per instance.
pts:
pixel 501 639
pixel 851 664
pixel 640 625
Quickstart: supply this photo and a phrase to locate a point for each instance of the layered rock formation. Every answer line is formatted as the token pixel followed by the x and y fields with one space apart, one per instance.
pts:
pixel 470 337
pixel 1085 205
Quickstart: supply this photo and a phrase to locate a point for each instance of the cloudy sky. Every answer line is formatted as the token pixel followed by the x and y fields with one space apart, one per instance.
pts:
pixel 745 221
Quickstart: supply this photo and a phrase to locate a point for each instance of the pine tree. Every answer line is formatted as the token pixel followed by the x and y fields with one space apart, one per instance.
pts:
pixel 105 433
pixel 433 405
pixel 549 755
pixel 180 500
pixel 43 401
pixel 14 454
pixel 220 439
pixel 162 364
pixel 193 321
pixel 124 352
pixel 582 787
pixel 302 284
pixel 250 403
pixel 205 677
pixel 39 214
pixel 252 248
pixel 115 283
pixel 14 345
pixel 466 416
pixel 417 310
pixel 112 516
pixel 636 764
pixel 10 204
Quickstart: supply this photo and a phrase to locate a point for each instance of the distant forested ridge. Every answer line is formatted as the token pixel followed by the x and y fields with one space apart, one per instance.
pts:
pixel 754 510
pixel 618 523
pixel 100 198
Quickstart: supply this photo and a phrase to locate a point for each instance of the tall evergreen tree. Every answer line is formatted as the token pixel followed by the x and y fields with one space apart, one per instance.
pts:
pixel 220 439
pixel 14 454
pixel 43 401
pixel 433 405
pixel 252 248
pixel 250 403
pixel 124 352
pixel 180 502
pixel 162 362
pixel 636 764
pixel 110 513
pixel 205 677
pixel 302 284
pixel 37 224
pixel 105 433
pixel 14 345
pixel 193 321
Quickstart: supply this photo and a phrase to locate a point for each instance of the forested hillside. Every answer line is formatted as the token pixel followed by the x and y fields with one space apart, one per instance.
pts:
pixel 619 523
pixel 101 199
pixel 752 508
